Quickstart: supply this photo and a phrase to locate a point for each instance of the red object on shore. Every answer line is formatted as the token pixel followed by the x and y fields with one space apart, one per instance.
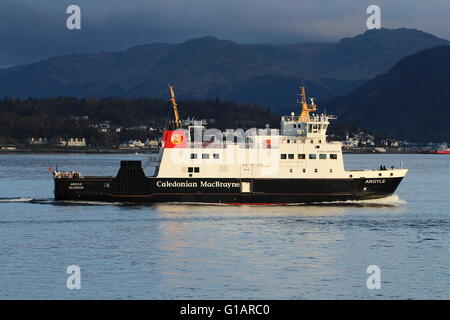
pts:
pixel 443 149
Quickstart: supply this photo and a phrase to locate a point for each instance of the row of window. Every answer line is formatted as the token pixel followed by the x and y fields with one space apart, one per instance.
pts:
pixel 312 156
pixel 205 156
pixel 197 170
pixel 284 156
pixel 315 170
pixel 295 141
pixel 316 127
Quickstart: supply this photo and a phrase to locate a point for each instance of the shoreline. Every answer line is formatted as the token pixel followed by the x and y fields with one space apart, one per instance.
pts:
pixel 87 151
pixel 153 151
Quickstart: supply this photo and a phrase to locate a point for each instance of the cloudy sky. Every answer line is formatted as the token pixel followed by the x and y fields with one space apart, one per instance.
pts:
pixel 31 30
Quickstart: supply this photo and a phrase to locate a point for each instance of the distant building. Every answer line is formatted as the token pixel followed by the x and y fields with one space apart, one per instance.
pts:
pixel 75 142
pixel 8 148
pixel 103 127
pixel 351 143
pixel 391 143
pixel 152 144
pixel 132 144
pixel 38 141
pixel 71 142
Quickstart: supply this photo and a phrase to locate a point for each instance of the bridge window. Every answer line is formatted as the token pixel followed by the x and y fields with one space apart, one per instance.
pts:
pixel 331 170
pixel 315 128
pixel 190 169
pixel 291 156
pixel 283 156
pixel 333 156
pixel 322 156
pixel 215 156
pixel 304 170
pixel 315 170
pixel 205 156
pixel 312 156
pixel 301 156
pixel 193 156
pixel 196 169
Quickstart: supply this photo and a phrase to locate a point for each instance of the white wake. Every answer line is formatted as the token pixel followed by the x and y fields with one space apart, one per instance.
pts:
pixel 16 199
pixel 391 200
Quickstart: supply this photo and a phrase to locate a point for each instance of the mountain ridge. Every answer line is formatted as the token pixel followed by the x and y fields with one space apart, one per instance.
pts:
pixel 410 101
pixel 208 67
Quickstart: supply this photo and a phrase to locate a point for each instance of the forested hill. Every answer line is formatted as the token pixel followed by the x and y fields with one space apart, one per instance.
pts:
pixel 72 117
pixel 411 101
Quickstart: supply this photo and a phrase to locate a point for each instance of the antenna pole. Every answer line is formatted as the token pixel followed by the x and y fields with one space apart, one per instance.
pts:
pixel 175 107
pixel 306 108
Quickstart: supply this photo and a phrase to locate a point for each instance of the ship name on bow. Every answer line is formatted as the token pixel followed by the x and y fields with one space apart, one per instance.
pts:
pixel 375 180
pixel 195 184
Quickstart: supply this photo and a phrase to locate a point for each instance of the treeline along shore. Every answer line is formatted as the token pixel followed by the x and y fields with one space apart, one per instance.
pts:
pixel 109 122
pixel 110 125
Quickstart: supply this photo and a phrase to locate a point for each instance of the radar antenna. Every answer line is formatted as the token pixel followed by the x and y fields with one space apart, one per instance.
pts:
pixel 306 108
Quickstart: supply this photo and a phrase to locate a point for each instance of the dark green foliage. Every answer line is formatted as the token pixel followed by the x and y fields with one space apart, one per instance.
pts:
pixel 66 117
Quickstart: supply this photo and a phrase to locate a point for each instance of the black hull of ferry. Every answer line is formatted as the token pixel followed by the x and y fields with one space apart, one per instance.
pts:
pixel 131 185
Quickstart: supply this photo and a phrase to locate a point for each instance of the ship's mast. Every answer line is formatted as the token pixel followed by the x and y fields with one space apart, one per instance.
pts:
pixel 177 122
pixel 306 108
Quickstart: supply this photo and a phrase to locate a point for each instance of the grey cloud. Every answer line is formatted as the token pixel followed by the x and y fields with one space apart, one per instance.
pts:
pixel 35 29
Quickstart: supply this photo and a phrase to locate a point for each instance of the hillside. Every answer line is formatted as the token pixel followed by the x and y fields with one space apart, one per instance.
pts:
pixel 206 68
pixel 72 117
pixel 411 101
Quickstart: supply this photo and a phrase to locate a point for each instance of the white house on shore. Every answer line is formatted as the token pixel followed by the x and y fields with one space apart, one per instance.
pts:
pixel 38 141
pixel 132 144
pixel 71 142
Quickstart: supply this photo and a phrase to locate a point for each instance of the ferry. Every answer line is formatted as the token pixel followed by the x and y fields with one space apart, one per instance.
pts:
pixel 295 164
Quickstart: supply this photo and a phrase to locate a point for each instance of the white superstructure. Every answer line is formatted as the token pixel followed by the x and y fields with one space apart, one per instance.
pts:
pixel 299 150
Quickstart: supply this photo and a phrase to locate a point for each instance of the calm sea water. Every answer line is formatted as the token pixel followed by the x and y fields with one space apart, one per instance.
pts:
pixel 222 252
